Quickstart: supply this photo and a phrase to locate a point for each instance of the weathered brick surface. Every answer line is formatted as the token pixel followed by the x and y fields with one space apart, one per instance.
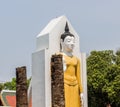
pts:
pixel 21 87
pixel 57 80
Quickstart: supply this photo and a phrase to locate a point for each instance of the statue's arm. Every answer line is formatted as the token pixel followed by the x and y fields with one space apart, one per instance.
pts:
pixel 78 74
pixel 80 82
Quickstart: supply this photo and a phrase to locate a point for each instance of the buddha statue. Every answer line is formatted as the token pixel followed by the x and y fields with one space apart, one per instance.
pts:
pixel 72 74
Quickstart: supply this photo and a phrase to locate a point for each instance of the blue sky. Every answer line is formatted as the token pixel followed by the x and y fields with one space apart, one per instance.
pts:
pixel 97 22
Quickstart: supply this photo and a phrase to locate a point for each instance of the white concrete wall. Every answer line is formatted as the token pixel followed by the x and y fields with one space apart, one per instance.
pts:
pixel 38 79
pixel 84 78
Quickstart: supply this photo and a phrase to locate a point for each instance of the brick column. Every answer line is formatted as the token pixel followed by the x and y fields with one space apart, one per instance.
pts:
pixel 57 80
pixel 21 87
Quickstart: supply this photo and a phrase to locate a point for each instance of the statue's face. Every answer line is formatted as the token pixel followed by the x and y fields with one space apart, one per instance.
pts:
pixel 69 43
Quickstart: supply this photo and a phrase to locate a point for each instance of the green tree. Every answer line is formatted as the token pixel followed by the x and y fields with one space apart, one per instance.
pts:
pixel 12 84
pixel 103 70
pixel 1 86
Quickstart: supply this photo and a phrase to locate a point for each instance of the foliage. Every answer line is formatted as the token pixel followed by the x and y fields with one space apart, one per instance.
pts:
pixel 1 86
pixel 12 84
pixel 28 82
pixel 103 70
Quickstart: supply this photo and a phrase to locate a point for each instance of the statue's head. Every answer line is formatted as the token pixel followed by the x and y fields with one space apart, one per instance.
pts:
pixel 67 40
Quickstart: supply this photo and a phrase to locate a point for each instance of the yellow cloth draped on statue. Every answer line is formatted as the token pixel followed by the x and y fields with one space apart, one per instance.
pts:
pixel 72 81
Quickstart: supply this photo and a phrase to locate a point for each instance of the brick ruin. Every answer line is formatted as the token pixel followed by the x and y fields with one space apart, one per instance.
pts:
pixel 57 81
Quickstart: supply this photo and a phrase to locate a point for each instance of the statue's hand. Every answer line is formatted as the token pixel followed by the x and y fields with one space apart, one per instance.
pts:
pixel 64 65
pixel 82 100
